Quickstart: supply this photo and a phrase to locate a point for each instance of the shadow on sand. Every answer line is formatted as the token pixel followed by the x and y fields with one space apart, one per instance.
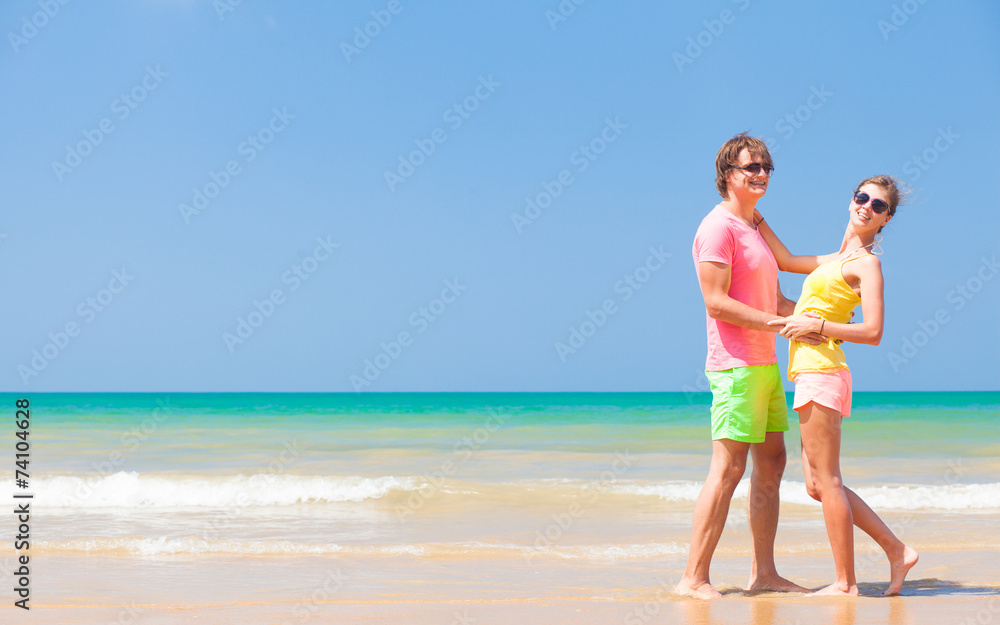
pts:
pixel 933 587
pixel 930 587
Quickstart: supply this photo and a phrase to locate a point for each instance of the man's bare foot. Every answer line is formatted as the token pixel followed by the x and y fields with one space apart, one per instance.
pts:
pixel 698 590
pixel 774 583
pixel 836 590
pixel 898 568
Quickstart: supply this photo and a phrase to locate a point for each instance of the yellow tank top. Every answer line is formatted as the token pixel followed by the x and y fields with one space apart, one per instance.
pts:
pixel 826 293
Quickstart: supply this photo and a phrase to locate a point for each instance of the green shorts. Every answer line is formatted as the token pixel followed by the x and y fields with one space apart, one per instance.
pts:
pixel 747 402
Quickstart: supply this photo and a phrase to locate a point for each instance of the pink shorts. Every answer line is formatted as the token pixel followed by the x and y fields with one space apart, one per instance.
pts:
pixel 829 389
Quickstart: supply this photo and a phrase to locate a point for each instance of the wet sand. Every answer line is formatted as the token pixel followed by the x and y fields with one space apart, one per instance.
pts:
pixel 276 590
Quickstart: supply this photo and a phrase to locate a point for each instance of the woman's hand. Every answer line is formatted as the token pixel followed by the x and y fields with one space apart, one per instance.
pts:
pixel 797 327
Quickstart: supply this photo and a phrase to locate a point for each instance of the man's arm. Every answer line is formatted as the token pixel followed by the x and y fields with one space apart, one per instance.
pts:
pixel 714 279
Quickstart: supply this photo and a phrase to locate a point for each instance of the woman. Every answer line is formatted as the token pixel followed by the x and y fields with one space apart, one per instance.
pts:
pixel 836 284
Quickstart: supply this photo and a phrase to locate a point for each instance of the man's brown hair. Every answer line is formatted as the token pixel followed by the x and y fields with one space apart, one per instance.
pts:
pixel 729 155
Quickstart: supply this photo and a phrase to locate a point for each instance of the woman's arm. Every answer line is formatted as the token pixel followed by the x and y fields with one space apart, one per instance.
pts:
pixel 786 306
pixel 869 331
pixel 786 260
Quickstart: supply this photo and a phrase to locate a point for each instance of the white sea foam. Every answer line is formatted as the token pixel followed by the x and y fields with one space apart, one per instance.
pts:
pixel 135 545
pixel 887 497
pixel 132 490
pixel 943 497
pixel 669 491
pixel 909 496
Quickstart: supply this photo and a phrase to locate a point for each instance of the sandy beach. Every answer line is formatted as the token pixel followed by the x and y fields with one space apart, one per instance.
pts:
pixel 278 590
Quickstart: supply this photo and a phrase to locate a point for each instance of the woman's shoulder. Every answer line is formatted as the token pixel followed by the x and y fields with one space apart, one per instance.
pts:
pixel 870 261
pixel 867 264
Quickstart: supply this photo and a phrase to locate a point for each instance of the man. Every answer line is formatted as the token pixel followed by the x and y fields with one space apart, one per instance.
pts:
pixel 739 283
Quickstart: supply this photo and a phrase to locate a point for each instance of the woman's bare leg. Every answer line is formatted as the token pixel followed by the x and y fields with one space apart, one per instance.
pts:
pixel 901 556
pixel 820 431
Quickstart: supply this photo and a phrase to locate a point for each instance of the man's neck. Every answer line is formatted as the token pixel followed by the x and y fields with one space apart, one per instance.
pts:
pixel 741 210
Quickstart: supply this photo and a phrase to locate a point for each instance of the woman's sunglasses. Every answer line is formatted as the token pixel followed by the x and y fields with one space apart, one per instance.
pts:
pixel 879 206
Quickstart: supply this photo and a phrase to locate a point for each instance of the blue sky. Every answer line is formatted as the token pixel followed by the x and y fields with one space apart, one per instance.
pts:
pixel 405 196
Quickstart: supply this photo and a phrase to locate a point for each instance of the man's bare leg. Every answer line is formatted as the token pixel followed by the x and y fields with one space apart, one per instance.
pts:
pixel 762 509
pixel 728 464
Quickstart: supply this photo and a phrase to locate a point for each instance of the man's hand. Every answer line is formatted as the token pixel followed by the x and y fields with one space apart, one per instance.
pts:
pixel 813 338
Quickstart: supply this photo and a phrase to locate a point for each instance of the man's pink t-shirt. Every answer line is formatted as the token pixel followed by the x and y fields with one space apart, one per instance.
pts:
pixel 722 238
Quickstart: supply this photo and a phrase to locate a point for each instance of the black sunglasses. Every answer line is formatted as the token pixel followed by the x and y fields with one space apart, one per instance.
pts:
pixel 754 168
pixel 879 206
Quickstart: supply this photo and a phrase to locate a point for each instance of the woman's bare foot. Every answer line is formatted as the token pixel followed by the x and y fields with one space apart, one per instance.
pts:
pixel 698 590
pixel 836 589
pixel 898 568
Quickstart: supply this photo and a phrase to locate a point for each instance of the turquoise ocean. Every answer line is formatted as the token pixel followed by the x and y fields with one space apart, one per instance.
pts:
pixel 559 477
